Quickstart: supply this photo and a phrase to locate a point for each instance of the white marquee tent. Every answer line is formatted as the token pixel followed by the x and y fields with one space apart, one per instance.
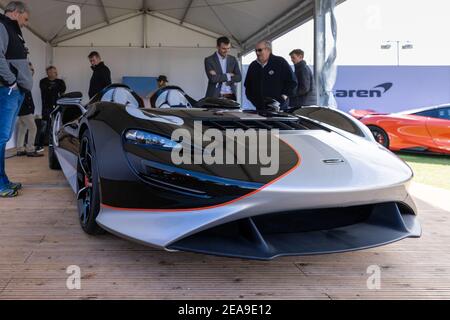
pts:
pixel 152 37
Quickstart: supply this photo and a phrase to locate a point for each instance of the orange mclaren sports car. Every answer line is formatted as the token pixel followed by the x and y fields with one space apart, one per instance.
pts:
pixel 425 130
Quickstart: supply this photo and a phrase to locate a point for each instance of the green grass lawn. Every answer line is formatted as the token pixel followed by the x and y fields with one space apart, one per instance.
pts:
pixel 430 170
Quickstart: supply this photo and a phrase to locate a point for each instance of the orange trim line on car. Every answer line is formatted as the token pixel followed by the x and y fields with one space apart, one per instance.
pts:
pixel 299 161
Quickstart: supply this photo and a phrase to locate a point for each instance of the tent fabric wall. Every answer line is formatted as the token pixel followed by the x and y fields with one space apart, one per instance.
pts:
pixel 160 31
pixel 246 21
pixel 173 39
pixel 172 50
pixel 183 66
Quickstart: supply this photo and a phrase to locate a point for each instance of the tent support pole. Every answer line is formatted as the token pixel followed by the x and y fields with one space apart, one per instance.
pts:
pixel 319 47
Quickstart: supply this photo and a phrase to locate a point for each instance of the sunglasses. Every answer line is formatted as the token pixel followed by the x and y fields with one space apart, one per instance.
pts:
pixel 260 50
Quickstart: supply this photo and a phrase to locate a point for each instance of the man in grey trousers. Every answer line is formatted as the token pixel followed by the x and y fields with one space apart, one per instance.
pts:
pixel 15 81
pixel 223 72
pixel 26 124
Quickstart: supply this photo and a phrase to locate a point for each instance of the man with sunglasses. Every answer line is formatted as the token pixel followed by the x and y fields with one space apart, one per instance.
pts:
pixel 269 76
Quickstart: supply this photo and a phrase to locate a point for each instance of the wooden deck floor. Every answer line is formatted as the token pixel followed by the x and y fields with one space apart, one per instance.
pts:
pixel 40 237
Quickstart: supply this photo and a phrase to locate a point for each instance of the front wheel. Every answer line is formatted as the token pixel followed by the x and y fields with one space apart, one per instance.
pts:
pixel 380 136
pixel 53 161
pixel 88 187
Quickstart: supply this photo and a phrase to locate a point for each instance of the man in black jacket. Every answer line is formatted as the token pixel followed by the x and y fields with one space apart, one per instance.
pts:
pixel 52 89
pixel 101 78
pixel 269 76
pixel 306 91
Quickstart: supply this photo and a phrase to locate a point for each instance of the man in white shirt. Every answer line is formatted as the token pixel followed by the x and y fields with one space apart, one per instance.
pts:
pixel 223 72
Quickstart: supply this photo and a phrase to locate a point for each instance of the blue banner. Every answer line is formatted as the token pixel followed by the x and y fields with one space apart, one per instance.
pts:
pixel 388 88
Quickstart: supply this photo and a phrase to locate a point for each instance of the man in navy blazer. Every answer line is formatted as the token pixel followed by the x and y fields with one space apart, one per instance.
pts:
pixel 223 72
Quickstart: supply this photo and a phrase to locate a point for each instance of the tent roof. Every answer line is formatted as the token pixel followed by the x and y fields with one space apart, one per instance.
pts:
pixel 245 21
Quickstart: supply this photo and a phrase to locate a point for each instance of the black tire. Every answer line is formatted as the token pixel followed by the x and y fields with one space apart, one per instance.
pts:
pixel 53 161
pixel 380 136
pixel 88 191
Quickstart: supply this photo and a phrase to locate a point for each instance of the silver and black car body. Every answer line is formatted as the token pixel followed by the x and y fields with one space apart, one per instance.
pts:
pixel 336 190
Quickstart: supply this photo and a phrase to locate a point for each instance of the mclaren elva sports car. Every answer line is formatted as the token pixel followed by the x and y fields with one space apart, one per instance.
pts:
pixel 335 189
pixel 424 130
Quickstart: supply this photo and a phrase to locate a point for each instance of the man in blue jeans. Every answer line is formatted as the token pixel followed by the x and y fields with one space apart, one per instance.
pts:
pixel 15 80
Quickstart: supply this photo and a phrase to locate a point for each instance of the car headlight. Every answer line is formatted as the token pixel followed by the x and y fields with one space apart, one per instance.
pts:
pixel 148 139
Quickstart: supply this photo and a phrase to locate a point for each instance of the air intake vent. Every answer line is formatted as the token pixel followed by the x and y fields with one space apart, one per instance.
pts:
pixel 306 232
pixel 294 124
